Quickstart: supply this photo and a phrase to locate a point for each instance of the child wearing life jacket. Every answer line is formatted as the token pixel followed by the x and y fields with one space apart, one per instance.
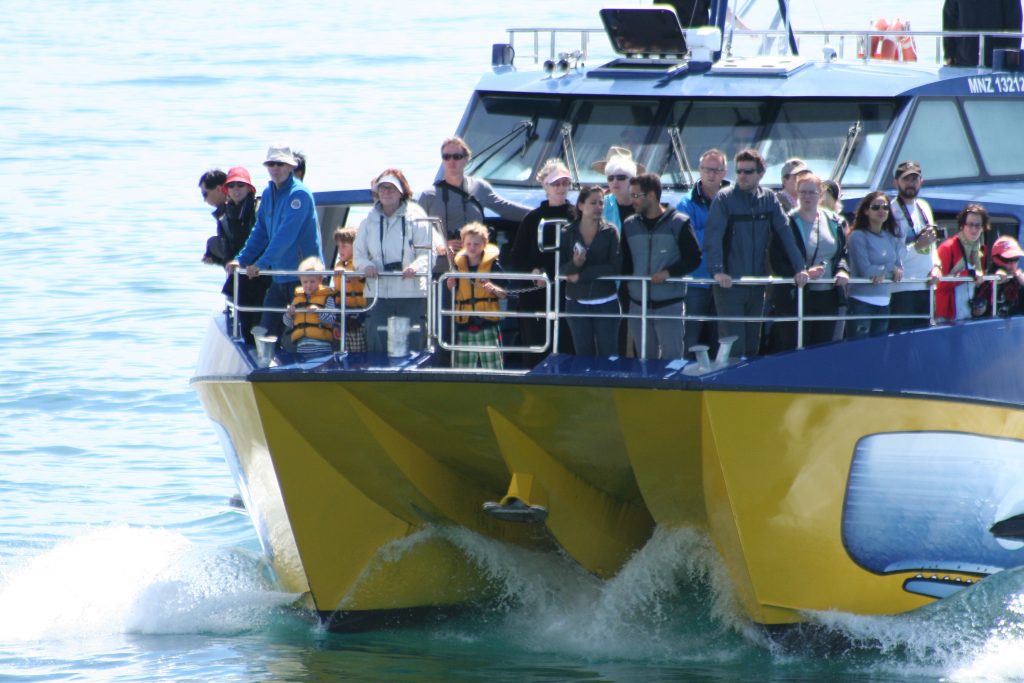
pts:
pixel 312 315
pixel 477 297
pixel 355 332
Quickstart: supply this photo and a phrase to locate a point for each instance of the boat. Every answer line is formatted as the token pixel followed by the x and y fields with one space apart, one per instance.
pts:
pixel 871 476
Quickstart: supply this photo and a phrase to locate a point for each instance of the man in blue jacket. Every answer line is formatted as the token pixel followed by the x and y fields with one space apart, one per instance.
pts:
pixel 285 233
pixel 699 301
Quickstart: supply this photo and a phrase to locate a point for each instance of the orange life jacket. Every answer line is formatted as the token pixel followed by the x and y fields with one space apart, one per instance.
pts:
pixel 470 294
pixel 354 288
pixel 307 323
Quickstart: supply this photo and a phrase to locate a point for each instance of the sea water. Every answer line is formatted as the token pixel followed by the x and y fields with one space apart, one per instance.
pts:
pixel 120 559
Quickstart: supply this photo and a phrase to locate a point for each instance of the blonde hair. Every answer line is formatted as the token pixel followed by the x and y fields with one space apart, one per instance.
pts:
pixel 311 263
pixel 478 229
pixel 548 167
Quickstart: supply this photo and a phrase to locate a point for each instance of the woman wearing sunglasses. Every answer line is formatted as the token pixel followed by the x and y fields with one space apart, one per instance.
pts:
pixel 873 254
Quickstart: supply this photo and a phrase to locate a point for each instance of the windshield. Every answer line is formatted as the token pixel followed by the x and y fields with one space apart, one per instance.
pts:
pixel 511 136
pixel 508 135
pixel 813 131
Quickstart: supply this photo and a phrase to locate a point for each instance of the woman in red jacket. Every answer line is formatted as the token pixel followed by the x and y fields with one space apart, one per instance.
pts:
pixel 963 254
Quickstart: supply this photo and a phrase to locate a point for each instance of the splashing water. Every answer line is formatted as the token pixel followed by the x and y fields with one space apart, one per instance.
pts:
pixel 121 580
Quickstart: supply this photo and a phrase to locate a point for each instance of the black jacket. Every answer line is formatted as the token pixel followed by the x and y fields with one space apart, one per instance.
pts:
pixel 976 15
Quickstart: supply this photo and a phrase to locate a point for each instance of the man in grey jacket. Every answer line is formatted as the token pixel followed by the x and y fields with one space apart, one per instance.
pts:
pixel 657 241
pixel 458 199
pixel 739 227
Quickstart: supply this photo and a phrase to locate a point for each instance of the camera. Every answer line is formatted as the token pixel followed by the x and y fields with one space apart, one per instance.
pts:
pixel 393 267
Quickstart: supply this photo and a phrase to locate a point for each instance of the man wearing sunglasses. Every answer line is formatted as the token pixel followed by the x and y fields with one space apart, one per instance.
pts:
pixel 459 199
pixel 737 234
pixel 286 232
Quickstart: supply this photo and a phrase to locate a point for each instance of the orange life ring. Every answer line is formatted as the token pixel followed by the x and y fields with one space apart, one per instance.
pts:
pixel 892 48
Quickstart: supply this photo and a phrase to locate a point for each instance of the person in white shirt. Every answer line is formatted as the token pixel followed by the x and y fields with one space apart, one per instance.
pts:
pixel 915 227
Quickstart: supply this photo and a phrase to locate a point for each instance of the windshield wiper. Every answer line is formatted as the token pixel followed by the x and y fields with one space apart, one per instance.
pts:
pixel 853 138
pixel 492 150
pixel 679 151
pixel 569 147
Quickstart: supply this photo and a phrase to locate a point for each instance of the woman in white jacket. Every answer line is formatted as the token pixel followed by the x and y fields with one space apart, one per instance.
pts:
pixel 384 252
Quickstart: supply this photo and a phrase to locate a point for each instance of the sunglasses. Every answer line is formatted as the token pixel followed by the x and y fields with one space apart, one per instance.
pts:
pixel 205 192
pixel 879 207
pixel 274 163
pixel 637 195
pixel 746 171
pixel 620 177
pixel 454 157
pixel 232 186
pixel 709 169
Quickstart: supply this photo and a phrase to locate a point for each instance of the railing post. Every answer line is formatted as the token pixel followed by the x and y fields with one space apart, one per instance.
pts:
pixel 800 317
pixel 235 325
pixel 643 319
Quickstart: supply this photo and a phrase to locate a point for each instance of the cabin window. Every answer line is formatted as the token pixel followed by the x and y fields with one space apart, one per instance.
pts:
pixel 599 125
pixel 509 135
pixel 815 131
pixel 995 124
pixel 937 140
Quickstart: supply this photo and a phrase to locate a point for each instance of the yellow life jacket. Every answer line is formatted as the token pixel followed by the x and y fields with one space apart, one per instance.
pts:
pixel 470 294
pixel 354 288
pixel 308 324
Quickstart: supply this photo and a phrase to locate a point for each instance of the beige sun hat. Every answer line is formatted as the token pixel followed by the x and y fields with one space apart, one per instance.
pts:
pixel 619 160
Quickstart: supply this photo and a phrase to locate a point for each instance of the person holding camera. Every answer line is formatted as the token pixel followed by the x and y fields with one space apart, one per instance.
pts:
pixel 916 228
pixel 963 254
pixel 384 251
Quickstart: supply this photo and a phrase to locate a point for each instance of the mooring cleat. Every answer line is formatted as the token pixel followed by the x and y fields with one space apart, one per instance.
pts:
pixel 517 511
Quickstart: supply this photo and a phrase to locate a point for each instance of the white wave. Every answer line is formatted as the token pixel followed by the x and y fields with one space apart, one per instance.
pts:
pixel 121 580
pixel 671 600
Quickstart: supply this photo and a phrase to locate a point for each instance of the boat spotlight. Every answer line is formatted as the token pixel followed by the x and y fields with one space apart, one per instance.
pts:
pixel 549 67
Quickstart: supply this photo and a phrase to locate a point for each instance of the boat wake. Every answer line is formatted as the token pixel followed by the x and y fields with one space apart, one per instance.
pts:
pixel 121 580
pixel 672 604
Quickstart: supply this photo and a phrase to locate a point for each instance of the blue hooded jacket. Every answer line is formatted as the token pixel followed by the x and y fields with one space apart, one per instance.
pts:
pixel 286 230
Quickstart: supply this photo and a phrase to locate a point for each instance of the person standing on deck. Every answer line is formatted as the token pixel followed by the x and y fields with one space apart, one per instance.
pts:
pixel 459 199
pixel 978 15
pixel 286 232
pixel 713 167
pixel 915 227
pixel 619 168
pixel 736 237
pixel 790 172
pixel 657 242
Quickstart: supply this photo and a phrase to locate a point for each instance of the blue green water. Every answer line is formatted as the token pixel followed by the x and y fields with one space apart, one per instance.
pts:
pixel 119 558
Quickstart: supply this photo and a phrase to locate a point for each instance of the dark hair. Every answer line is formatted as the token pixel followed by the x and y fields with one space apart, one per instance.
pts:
pixel 585 193
pixel 300 167
pixel 751 155
pixel 647 182
pixel 832 187
pixel 961 218
pixel 213 179
pixel 860 216
pixel 405 189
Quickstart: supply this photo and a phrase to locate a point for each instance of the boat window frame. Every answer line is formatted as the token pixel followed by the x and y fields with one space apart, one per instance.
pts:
pixel 546 143
pixel 983 175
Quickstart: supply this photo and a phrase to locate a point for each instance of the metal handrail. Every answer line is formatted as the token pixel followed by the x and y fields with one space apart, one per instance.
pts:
pixel 551 314
pixel 860 37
